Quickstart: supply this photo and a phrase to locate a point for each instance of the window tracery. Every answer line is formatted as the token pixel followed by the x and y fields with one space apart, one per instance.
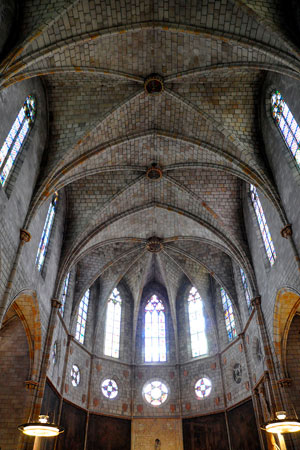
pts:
pixel 64 294
pixel 229 316
pixel 197 323
pixel 203 388
pixel 16 138
pixel 155 331
pixel 246 289
pixel 113 325
pixel 82 316
pixel 109 389
pixel 287 124
pixel 44 242
pixel 263 226
pixel 155 393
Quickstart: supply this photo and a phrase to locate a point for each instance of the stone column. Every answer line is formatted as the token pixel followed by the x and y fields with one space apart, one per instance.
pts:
pixel 272 383
pixel 254 395
pixel 55 304
pixel 24 237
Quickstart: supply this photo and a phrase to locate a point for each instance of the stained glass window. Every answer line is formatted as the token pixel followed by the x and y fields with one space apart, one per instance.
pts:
pixel 287 124
pixel 155 393
pixel 82 316
pixel 113 325
pixel 16 137
pixel 203 388
pixel 75 375
pixel 109 388
pixel 197 323
pixel 54 353
pixel 229 317
pixel 263 226
pixel 64 294
pixel 44 242
pixel 246 289
pixel 155 331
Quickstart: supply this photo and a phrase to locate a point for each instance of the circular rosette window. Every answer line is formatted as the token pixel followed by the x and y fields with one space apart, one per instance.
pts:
pixel 203 388
pixel 109 389
pixel 155 393
pixel 75 375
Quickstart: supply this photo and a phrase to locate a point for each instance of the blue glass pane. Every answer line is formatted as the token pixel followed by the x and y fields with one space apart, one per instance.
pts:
pixel 16 137
pixel 155 332
pixel 82 316
pixel 43 246
pixel 264 229
pixel 229 317
pixel 287 124
pixel 113 325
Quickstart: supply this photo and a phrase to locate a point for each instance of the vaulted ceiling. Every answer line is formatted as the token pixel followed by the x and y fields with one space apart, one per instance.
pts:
pixel 106 130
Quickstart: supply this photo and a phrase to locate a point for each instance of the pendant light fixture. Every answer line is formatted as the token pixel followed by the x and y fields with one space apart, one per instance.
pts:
pixel 42 428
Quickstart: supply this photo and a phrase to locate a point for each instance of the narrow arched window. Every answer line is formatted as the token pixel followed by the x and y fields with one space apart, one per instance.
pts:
pixel 287 124
pixel 263 226
pixel 12 146
pixel 246 289
pixel 197 323
pixel 113 325
pixel 44 242
pixel 155 331
pixel 229 316
pixel 64 294
pixel 82 316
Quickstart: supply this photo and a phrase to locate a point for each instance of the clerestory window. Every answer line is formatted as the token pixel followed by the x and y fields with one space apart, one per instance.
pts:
pixel 13 144
pixel 229 316
pixel 197 323
pixel 246 289
pixel 82 316
pixel 64 294
pixel 287 124
pixel 263 226
pixel 155 331
pixel 113 325
pixel 45 238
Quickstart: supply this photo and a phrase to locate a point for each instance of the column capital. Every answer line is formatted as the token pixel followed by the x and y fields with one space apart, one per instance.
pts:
pixel 25 236
pixel 31 385
pixel 55 303
pixel 287 231
pixel 284 382
pixel 256 301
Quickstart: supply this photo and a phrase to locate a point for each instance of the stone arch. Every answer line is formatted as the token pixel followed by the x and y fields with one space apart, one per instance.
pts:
pixel 287 304
pixel 20 336
pixel 25 305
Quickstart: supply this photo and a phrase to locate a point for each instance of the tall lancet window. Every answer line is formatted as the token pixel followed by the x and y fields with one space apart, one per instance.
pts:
pixel 64 294
pixel 287 125
pixel 44 242
pixel 246 289
pixel 13 143
pixel 155 331
pixel 82 316
pixel 229 316
pixel 263 226
pixel 113 325
pixel 197 324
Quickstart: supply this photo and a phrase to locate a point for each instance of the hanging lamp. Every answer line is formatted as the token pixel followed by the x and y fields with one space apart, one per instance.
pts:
pixel 42 428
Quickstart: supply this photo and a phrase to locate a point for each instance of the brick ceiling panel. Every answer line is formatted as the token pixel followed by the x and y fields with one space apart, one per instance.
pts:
pixel 114 258
pixel 118 53
pixel 76 107
pixel 89 195
pixel 195 272
pixel 144 192
pixel 152 221
pixel 88 17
